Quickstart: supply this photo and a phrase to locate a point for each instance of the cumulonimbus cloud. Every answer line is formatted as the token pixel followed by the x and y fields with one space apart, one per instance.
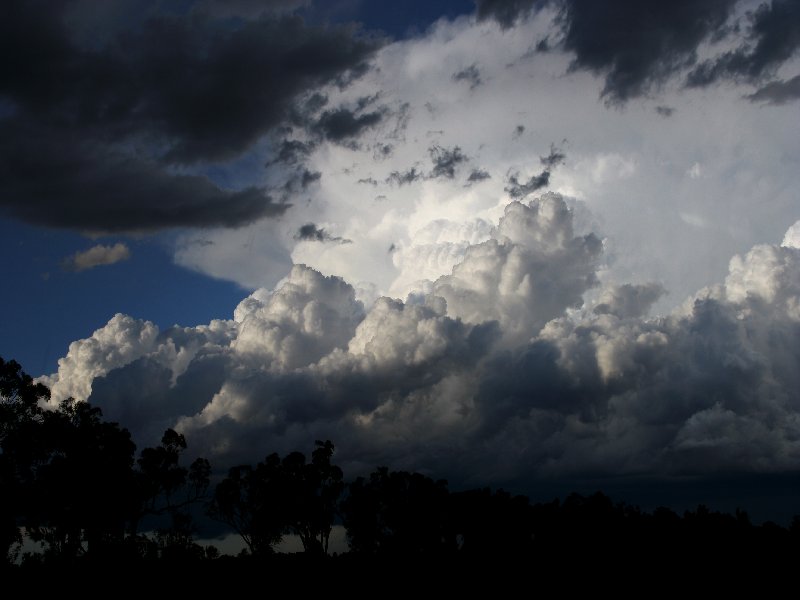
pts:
pixel 498 371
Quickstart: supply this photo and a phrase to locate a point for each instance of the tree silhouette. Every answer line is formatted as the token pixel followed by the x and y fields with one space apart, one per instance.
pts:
pixel 20 417
pixel 81 490
pixel 280 496
pixel 249 501
pixel 312 494
pixel 398 513
pixel 167 489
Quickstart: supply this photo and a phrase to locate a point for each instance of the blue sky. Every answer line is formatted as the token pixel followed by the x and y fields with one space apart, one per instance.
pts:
pixel 503 242
pixel 51 307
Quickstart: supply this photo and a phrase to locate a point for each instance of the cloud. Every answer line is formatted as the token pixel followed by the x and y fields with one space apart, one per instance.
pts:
pixel 121 127
pixel 635 46
pixel 483 338
pixel 470 75
pixel 778 92
pixel 120 342
pixel 792 237
pixel 532 269
pixel 445 161
pixel 311 233
pixel 249 9
pixel 773 38
pixel 516 189
pixel 628 164
pixel 477 175
pixel 665 111
pixel 496 373
pixel 100 191
pixel 628 301
pixel 505 12
pixel 96 256
pixel 555 158
pixel 292 151
pixel 638 45
pixel 342 124
pixel 404 177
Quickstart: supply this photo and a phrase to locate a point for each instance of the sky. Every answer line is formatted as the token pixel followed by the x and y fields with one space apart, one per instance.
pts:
pixel 536 244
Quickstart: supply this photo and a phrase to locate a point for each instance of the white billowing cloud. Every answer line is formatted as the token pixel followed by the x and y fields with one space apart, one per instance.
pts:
pixel 767 273
pixel 97 256
pixel 712 386
pixel 303 320
pixel 122 340
pixel 433 250
pixel 487 377
pixel 792 237
pixel 530 271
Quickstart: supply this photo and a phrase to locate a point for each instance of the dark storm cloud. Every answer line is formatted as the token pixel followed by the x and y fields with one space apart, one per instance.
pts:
pixel 778 92
pixel 470 75
pixel 382 151
pixel 665 111
pixel 543 45
pixel 516 189
pixel 341 125
pixel 311 233
pixel 404 177
pixel 60 183
pixel 773 38
pixel 308 177
pixel 292 151
pixel 555 158
pixel 445 161
pixel 248 8
pixel 636 44
pixel 298 182
pixel 175 89
pixel 505 12
pixel 478 175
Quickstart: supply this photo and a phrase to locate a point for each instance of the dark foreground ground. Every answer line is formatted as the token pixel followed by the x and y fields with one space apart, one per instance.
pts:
pixel 766 561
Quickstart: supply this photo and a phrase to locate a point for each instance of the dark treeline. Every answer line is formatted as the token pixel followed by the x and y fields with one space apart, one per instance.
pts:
pixel 75 486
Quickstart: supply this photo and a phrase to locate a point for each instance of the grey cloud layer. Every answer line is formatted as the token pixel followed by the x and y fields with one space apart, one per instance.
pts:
pixel 93 129
pixel 486 377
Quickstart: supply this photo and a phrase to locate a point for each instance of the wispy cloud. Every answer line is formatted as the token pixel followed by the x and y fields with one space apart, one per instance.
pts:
pixel 96 256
